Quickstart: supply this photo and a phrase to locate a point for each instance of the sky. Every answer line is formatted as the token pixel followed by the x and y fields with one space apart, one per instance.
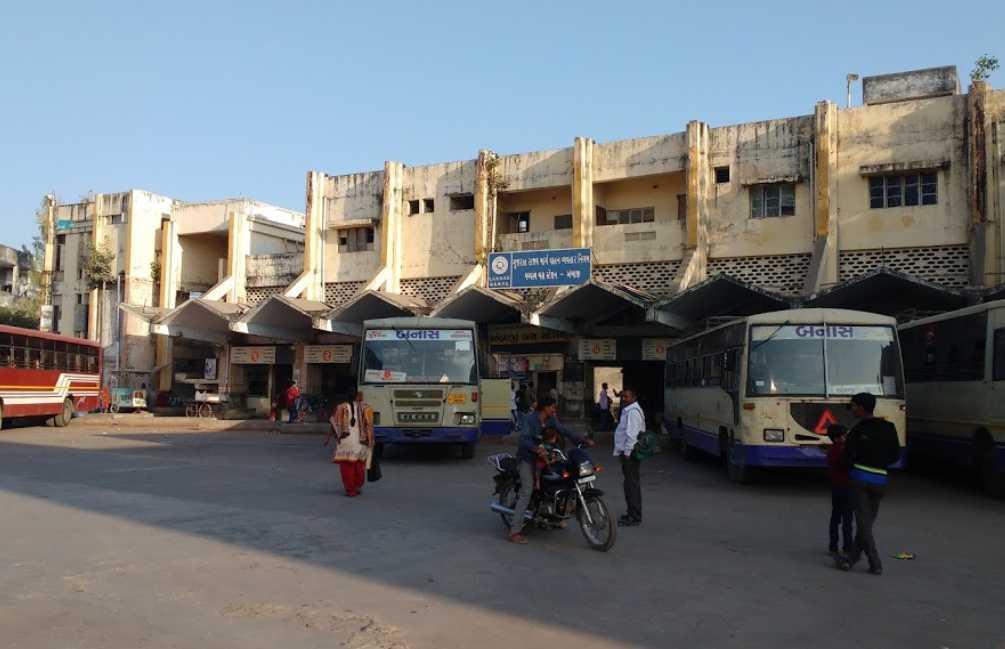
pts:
pixel 207 100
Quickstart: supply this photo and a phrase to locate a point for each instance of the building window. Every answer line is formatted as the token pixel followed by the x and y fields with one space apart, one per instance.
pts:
pixel 428 206
pixel 777 199
pixel 355 240
pixel 721 175
pixel 56 315
pixel 460 202
pixel 682 208
pixel 903 190
pixel 413 207
pixel 118 219
pixel 563 221
pixel 80 298
pixel 519 222
pixel 60 245
pixel 626 216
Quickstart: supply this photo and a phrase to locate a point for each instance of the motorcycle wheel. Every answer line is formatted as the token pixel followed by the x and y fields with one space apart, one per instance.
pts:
pixel 602 534
pixel 507 498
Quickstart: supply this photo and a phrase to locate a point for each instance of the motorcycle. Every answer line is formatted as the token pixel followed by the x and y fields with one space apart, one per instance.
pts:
pixel 567 490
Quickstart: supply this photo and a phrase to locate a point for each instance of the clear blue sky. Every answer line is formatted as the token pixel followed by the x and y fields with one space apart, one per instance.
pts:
pixel 208 100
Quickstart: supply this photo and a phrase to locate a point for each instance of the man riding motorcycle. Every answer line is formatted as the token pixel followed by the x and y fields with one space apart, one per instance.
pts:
pixel 530 451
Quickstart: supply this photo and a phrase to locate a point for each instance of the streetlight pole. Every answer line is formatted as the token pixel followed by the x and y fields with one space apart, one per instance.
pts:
pixel 849 79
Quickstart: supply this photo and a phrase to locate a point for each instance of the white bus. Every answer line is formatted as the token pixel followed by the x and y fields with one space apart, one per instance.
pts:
pixel 760 391
pixel 420 375
pixel 955 369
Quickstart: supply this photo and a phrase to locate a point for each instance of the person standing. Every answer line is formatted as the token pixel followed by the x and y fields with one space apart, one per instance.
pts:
pixel 842 508
pixel 630 425
pixel 872 446
pixel 352 425
pixel 293 401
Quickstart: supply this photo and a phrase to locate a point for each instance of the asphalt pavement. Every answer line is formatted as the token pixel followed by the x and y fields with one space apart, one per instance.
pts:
pixel 159 538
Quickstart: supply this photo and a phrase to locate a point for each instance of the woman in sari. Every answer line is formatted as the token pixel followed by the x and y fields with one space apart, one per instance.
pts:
pixel 352 424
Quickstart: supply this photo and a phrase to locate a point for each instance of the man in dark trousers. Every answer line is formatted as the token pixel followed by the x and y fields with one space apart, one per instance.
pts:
pixel 871 447
pixel 631 424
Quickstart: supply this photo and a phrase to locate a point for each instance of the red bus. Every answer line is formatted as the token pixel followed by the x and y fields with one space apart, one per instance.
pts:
pixel 47 375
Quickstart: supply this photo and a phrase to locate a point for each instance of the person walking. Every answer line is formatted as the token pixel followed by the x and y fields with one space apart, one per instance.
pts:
pixel 630 425
pixel 352 425
pixel 872 446
pixel 842 508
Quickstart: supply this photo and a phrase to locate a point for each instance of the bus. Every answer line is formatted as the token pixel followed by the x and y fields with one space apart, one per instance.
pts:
pixel 47 375
pixel 420 375
pixel 955 369
pixel 760 391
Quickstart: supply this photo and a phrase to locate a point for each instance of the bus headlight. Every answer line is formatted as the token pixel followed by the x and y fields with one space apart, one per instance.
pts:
pixel 465 419
pixel 774 435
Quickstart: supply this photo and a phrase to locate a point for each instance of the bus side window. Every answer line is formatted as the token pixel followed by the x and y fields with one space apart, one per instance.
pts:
pixel 60 357
pixel 92 360
pixel 6 357
pixel 998 368
pixel 35 353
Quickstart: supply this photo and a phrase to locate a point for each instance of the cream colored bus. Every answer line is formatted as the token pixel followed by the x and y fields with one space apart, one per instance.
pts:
pixel 760 391
pixel 955 367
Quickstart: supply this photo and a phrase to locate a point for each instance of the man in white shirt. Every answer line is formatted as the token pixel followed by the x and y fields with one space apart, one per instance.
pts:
pixel 630 425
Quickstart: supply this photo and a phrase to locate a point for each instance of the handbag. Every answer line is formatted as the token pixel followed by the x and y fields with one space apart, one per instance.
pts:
pixel 373 474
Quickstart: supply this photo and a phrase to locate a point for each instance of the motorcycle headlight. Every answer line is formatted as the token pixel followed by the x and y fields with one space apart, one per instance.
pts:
pixel 774 435
pixel 466 418
pixel 586 468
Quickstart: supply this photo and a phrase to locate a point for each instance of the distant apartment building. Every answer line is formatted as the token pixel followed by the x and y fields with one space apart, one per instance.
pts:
pixel 15 274
pixel 893 206
pixel 163 251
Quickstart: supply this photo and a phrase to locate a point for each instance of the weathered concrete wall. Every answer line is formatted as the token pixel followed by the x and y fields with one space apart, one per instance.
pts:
pixel 537 169
pixel 440 243
pixel 914 84
pixel 760 152
pixel 642 156
pixel 927 130
pixel 274 270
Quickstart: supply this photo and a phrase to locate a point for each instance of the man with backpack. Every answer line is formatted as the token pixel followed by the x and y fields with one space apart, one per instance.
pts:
pixel 871 447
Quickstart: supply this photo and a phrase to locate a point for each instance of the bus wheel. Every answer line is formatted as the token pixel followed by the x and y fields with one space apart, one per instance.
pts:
pixel 738 473
pixel 65 415
pixel 467 450
pixel 686 450
pixel 992 479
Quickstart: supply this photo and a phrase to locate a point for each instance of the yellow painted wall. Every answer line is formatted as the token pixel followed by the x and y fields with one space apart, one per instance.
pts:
pixel 927 129
pixel 440 243
pixel 543 205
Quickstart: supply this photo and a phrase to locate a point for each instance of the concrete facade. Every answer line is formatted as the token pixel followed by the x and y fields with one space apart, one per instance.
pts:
pixel 163 252
pixel 791 208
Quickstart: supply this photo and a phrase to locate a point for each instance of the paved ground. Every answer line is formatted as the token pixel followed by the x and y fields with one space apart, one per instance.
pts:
pixel 126 538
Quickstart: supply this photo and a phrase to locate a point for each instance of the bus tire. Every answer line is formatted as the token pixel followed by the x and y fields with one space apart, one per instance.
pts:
pixel 62 420
pixel 467 450
pixel 992 479
pixel 738 473
pixel 686 450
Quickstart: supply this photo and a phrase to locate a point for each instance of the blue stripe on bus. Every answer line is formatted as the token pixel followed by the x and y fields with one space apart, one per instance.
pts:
pixel 497 426
pixel 767 455
pixel 394 435
pixel 959 450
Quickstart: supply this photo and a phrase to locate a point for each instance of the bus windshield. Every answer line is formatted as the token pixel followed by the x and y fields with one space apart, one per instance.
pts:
pixel 419 356
pixel 819 360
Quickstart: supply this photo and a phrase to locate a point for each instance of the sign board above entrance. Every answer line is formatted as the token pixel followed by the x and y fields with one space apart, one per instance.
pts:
pixel 321 354
pixel 539 268
pixel 518 334
pixel 598 349
pixel 655 349
pixel 253 355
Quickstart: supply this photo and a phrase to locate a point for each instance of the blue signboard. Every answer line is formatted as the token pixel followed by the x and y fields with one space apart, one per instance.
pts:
pixel 539 268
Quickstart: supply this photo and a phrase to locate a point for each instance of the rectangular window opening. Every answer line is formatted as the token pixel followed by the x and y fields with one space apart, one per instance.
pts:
pixel 722 175
pixel 413 207
pixel 428 206
pixel 460 202
pixel 563 221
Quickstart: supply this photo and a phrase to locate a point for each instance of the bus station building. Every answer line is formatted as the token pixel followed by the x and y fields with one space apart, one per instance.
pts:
pixel 893 206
